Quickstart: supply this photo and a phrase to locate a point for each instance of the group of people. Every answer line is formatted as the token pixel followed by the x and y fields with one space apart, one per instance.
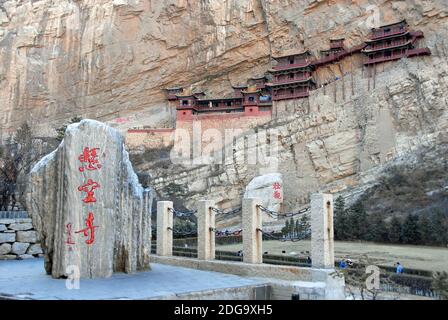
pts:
pixel 345 263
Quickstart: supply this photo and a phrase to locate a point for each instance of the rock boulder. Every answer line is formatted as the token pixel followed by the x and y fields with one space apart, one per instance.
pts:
pixel 268 188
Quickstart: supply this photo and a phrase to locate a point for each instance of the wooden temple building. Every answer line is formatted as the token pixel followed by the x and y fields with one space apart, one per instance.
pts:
pixel 391 42
pixel 292 75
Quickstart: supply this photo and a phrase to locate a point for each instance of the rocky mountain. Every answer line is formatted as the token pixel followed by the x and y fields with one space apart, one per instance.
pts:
pixel 109 60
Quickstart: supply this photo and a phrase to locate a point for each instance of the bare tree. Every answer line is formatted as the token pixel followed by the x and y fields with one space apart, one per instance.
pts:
pixel 17 156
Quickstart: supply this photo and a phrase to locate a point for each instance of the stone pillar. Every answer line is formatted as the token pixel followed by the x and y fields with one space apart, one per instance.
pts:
pixel 252 238
pixel 322 233
pixel 164 228
pixel 206 234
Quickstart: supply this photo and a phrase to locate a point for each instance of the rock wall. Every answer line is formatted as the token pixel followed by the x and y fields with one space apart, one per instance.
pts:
pixel 355 128
pixel 110 59
pixel 18 239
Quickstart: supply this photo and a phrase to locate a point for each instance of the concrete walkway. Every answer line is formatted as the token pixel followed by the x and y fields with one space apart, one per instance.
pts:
pixel 26 279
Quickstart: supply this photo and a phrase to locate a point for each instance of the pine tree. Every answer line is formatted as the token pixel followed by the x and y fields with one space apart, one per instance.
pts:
pixel 439 228
pixel 298 228
pixel 291 227
pixel 357 222
pixel 395 230
pixel 425 230
pixel 286 227
pixel 61 131
pixel 340 219
pixel 410 230
pixel 377 230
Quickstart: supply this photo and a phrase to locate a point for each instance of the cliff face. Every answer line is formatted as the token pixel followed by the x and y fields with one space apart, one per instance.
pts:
pixel 110 59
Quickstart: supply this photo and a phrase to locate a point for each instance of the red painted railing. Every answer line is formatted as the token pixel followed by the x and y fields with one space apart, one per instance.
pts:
pixel 385 58
pixel 418 52
pixel 382 34
pixel 387 46
pixel 290 66
pixel 295 79
pixel 291 96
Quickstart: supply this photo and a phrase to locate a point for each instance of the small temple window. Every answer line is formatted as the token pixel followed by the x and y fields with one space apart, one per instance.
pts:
pixel 229 103
pixel 291 91
pixel 251 99
pixel 291 61
pixel 291 76
pixel 185 102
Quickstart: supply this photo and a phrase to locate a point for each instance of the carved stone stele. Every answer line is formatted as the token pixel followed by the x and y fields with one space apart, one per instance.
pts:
pixel 88 207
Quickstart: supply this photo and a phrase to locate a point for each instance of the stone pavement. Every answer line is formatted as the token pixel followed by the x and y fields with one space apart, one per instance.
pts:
pixel 26 279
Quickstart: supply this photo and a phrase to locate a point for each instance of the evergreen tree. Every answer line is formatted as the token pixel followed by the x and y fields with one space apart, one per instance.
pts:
pixel 298 228
pixel 340 219
pixel 291 227
pixel 395 230
pixel 286 227
pixel 425 230
pixel 410 230
pixel 61 131
pixel 439 227
pixel 377 230
pixel 357 222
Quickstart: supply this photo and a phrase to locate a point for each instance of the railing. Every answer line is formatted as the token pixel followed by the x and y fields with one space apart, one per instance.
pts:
pixel 291 96
pixel 418 51
pixel 386 46
pixel 385 58
pixel 292 80
pixel 381 34
pixel 294 65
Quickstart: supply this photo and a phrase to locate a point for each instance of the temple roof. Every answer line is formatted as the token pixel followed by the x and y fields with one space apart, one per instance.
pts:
pixel 251 89
pixel 258 78
pixel 243 86
pixel 391 24
pixel 174 88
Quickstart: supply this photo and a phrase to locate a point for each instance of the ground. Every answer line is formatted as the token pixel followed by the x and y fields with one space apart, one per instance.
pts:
pixel 415 257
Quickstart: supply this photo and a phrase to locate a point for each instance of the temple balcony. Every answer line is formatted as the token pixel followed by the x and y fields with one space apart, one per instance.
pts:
pixel 303 78
pixel 383 33
pixel 394 44
pixel 418 52
pixel 395 56
pixel 301 64
pixel 289 96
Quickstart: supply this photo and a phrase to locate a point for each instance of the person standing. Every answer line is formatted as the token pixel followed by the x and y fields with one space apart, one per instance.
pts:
pixel 399 268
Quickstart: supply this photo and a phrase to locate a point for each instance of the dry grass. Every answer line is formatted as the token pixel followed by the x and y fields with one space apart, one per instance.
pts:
pixel 415 257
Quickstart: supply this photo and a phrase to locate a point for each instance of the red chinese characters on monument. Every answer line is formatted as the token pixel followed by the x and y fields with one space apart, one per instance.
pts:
pixel 89 159
pixel 69 241
pixel 277 194
pixel 89 231
pixel 89 188
pixel 89 162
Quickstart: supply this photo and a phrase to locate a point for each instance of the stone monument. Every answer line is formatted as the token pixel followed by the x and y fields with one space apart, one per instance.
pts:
pixel 268 188
pixel 88 207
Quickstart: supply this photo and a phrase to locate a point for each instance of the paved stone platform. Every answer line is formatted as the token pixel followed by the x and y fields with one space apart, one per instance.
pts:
pixel 26 279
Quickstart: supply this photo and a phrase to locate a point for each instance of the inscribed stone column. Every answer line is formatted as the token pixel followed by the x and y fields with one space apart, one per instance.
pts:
pixel 165 228
pixel 322 233
pixel 206 237
pixel 88 207
pixel 252 238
